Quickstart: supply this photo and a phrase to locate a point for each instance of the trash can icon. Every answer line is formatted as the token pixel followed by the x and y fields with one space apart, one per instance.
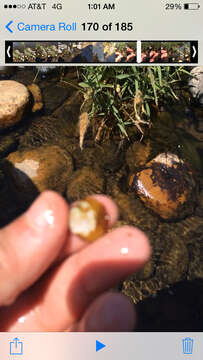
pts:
pixel 188 345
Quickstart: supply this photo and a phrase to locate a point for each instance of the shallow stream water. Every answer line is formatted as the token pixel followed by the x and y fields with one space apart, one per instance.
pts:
pixel 172 304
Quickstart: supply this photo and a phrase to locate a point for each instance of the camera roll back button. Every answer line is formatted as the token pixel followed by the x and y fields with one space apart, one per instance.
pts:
pixel 67 27
pixel 8 26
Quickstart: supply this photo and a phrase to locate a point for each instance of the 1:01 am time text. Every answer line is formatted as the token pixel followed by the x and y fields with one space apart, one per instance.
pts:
pixel 107 6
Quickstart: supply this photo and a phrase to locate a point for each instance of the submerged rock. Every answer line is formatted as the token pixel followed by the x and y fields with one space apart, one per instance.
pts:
pixel 172 267
pixel 14 97
pixel 84 182
pixel 7 71
pixel 46 130
pixel 166 185
pixel 32 171
pixel 54 96
pixel 196 84
pixel 8 144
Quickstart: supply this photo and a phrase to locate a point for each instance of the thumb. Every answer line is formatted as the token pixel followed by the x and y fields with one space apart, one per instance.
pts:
pixel 30 244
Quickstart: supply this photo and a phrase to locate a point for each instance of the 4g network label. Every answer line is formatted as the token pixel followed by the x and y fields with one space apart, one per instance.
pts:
pixel 119 26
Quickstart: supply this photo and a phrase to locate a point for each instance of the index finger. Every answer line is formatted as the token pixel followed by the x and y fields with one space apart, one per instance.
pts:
pixel 67 291
pixel 30 244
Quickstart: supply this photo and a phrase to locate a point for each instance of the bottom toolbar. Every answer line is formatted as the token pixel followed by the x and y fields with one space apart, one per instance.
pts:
pixel 75 346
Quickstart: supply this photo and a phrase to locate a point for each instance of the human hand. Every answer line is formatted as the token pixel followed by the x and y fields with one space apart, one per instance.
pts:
pixel 53 281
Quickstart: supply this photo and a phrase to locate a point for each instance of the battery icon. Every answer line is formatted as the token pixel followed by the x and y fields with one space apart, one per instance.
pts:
pixel 191 6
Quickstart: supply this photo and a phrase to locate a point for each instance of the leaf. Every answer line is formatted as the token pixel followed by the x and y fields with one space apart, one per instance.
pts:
pixel 134 69
pixel 173 93
pixel 122 128
pixel 152 79
pixel 84 85
pixel 115 109
pixel 106 86
pixel 124 87
pixel 136 85
pixel 147 108
pixel 123 76
pixel 159 75
pixel 186 72
pixel 118 118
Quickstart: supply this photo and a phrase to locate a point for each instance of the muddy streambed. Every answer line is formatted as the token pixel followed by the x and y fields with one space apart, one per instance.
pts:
pixel 168 291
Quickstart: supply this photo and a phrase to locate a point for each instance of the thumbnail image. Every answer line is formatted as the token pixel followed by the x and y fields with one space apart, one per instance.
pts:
pixel 63 52
pixel 165 52
pixel 122 147
pixel 126 52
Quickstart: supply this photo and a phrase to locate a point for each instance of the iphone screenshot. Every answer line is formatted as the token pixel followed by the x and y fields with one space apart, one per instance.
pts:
pixel 101 180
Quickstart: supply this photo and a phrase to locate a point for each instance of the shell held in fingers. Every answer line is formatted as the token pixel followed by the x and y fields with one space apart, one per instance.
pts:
pixel 88 219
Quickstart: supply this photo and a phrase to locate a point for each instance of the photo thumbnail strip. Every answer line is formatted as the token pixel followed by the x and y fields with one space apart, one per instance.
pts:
pixel 98 52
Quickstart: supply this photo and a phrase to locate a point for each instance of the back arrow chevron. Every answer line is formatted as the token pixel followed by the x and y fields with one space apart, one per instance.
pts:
pixel 7 26
pixel 8 51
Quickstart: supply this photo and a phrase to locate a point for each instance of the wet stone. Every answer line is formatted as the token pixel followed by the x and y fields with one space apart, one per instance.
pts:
pixel 190 229
pixel 166 185
pixel 145 273
pixel 25 75
pixel 54 96
pixel 195 269
pixel 30 172
pixel 14 97
pixel 7 71
pixel 87 157
pixel 171 266
pixel 109 159
pixel 84 182
pixel 135 213
pixel 195 84
pixel 70 109
pixel 46 130
pixel 8 144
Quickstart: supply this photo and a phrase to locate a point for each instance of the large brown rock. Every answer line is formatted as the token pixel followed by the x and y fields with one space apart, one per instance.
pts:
pixel 32 171
pixel 84 182
pixel 14 97
pixel 166 185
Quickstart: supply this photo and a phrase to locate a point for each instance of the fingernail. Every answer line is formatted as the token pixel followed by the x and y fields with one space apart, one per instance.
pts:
pixel 113 312
pixel 41 213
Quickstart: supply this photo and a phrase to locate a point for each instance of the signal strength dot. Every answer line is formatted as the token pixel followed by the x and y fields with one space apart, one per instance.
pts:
pixel 10 6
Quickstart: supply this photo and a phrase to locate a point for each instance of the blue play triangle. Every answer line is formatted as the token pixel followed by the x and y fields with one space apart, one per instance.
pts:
pixel 99 345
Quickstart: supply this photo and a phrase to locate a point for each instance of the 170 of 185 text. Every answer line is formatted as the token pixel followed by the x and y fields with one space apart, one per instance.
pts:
pixel 95 26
